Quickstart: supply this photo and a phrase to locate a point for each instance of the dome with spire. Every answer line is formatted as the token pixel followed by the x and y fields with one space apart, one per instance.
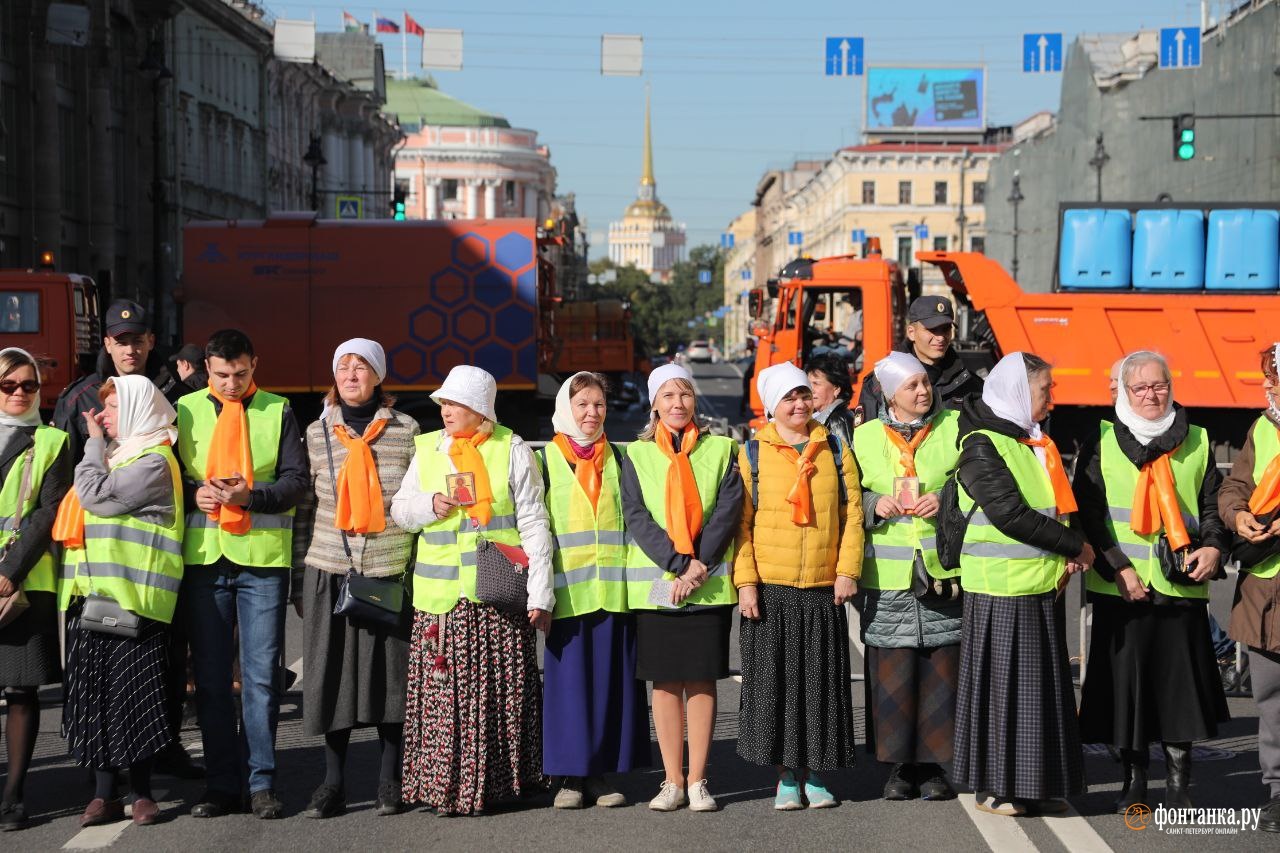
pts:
pixel 646 236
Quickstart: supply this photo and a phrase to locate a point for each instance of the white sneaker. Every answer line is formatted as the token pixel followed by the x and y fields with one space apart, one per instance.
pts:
pixel 985 801
pixel 670 797
pixel 700 799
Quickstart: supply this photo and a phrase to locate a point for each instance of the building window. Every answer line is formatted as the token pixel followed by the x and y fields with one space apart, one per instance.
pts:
pixel 868 192
pixel 939 244
pixel 978 244
pixel 979 192
pixel 509 191
pixel 905 258
pixel 450 188
pixel 8 140
pixel 939 192
pixel 904 192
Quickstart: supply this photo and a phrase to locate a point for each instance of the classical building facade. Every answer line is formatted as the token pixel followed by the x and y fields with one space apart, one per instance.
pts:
pixel 459 162
pixel 647 237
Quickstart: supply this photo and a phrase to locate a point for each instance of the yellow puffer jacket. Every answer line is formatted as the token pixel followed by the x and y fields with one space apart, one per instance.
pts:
pixel 772 549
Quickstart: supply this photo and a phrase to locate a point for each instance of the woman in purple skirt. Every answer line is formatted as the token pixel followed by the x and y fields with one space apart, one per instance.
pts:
pixel 595 716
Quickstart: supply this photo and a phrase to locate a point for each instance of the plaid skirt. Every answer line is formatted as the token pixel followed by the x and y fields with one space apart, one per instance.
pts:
pixel 913 703
pixel 1017 735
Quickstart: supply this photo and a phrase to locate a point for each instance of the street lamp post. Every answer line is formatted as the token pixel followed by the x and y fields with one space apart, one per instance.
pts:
pixel 961 219
pixel 152 65
pixel 1100 158
pixel 315 159
pixel 1015 199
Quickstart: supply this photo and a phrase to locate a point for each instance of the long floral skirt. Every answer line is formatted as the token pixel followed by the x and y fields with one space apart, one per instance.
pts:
pixel 473 715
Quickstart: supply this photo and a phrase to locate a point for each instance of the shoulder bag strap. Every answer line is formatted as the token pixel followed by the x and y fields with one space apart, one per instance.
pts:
pixel 333 482
pixel 753 459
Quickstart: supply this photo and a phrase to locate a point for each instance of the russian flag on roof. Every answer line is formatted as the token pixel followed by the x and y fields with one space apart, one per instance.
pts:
pixel 386 25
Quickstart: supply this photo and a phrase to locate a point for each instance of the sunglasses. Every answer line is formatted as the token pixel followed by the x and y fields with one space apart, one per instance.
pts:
pixel 28 386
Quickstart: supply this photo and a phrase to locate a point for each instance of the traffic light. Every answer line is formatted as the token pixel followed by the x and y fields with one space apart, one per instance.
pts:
pixel 397 205
pixel 1184 138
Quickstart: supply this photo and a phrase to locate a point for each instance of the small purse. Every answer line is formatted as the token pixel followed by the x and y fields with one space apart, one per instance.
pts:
pixel 362 599
pixel 928 589
pixel 15 605
pixel 104 615
pixel 1173 564
pixel 501 576
pixel 1249 554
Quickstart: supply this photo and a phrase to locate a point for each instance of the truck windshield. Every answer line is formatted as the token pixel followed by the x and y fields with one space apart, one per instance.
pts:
pixel 833 321
pixel 20 312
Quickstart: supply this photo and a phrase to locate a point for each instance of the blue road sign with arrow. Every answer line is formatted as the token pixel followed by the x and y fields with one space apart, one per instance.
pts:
pixel 922 232
pixel 746 276
pixel 726 241
pixel 858 236
pixel 795 238
pixel 1180 47
pixel 844 57
pixel 1042 53
pixel 704 276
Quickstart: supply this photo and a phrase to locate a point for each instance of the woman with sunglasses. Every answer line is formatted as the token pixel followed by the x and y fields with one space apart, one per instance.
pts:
pixel 35 463
pixel 1147 488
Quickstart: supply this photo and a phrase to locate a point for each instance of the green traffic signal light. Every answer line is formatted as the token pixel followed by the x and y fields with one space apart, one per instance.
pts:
pixel 399 211
pixel 1184 137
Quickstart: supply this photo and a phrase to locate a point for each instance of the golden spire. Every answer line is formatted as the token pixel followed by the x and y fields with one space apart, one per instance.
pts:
pixel 646 177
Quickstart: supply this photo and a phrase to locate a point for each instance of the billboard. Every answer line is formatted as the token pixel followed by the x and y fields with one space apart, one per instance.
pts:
pixel 925 99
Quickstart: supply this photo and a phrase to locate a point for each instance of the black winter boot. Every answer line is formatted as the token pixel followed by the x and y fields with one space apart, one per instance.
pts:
pixel 1135 779
pixel 1177 759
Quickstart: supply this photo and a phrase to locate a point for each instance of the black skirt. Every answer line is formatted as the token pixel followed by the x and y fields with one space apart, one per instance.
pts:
pixel 29 653
pixel 683 645
pixel 1017 735
pixel 113 714
pixel 1152 675
pixel 796 706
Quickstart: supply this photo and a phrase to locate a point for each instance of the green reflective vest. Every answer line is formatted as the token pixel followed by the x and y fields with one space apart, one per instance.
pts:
pixel 1266 445
pixel 1189 462
pixel 991 562
pixel 711 458
pixel 137 563
pixel 269 542
pixel 892 545
pixel 48 444
pixel 590 560
pixel 445 570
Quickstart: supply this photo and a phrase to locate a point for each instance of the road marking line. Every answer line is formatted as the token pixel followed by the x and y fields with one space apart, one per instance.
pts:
pixel 1076 834
pixel 97 837
pixel 1001 833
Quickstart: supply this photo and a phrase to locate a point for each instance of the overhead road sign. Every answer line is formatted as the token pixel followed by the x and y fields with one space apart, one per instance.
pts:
pixel 858 236
pixel 1180 47
pixel 704 276
pixel 1042 53
pixel 746 276
pixel 844 57
pixel 726 241
pixel 922 232
pixel 621 55
pixel 795 238
pixel 349 207
pixel 442 49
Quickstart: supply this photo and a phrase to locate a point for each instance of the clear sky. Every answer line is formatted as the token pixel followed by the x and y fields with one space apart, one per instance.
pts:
pixel 738 87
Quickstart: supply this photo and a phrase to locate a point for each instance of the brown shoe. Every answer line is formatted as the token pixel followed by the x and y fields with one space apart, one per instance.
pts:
pixel 145 811
pixel 100 811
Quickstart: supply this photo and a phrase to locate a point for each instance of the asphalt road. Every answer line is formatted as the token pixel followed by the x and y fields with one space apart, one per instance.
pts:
pixel 1226 776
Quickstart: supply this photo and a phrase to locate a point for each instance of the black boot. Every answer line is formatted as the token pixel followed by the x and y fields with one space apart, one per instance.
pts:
pixel 1177 759
pixel 1135 779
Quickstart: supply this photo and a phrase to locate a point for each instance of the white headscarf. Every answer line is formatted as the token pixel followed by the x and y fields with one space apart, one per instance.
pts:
pixel 370 351
pixel 1008 394
pixel 1144 430
pixel 664 374
pixel 144 418
pixel 563 421
pixel 31 417
pixel 895 369
pixel 778 381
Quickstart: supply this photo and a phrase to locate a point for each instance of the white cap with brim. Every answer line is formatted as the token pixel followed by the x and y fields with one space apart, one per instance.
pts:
pixel 472 387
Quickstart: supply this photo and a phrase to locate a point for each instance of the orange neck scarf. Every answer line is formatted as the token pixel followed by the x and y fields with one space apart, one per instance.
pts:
pixel 907 451
pixel 68 526
pixel 465 453
pixel 1155 503
pixel 1266 494
pixel 1062 494
pixel 229 454
pixel 589 471
pixel 684 504
pixel 801 496
pixel 360 508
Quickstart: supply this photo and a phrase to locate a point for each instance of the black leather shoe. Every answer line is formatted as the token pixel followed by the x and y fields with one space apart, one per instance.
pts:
pixel 901 785
pixel 327 801
pixel 1134 790
pixel 1269 820
pixel 215 804
pixel 265 805
pixel 1177 759
pixel 389 801
pixel 174 761
pixel 13 816
pixel 933 783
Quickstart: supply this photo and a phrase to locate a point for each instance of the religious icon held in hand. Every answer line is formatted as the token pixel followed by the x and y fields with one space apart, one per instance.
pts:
pixel 461 487
pixel 906 490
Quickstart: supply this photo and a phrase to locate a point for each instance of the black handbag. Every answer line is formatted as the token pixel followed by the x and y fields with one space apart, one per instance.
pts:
pixel 501 576
pixel 928 589
pixel 1249 554
pixel 1173 564
pixel 362 599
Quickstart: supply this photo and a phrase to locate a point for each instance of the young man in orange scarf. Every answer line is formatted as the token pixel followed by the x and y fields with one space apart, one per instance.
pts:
pixel 245 468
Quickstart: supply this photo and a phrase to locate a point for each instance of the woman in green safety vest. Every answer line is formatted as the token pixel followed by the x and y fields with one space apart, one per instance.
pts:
pixel 35 469
pixel 1147 488
pixel 1249 503
pixel 1017 741
pixel 473 713
pixel 911 606
pixel 682 500
pixel 798 561
pixel 129 550
pixel 595 716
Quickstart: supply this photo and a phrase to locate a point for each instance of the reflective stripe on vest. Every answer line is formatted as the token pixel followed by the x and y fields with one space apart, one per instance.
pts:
pixel 48 443
pixel 991 562
pixel 890 548
pixel 590 560
pixel 1266 445
pixel 711 458
pixel 445 570
pixel 1190 462
pixel 269 541
pixel 137 563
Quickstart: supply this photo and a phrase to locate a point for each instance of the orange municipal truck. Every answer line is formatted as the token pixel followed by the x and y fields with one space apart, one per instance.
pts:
pixel 1198 283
